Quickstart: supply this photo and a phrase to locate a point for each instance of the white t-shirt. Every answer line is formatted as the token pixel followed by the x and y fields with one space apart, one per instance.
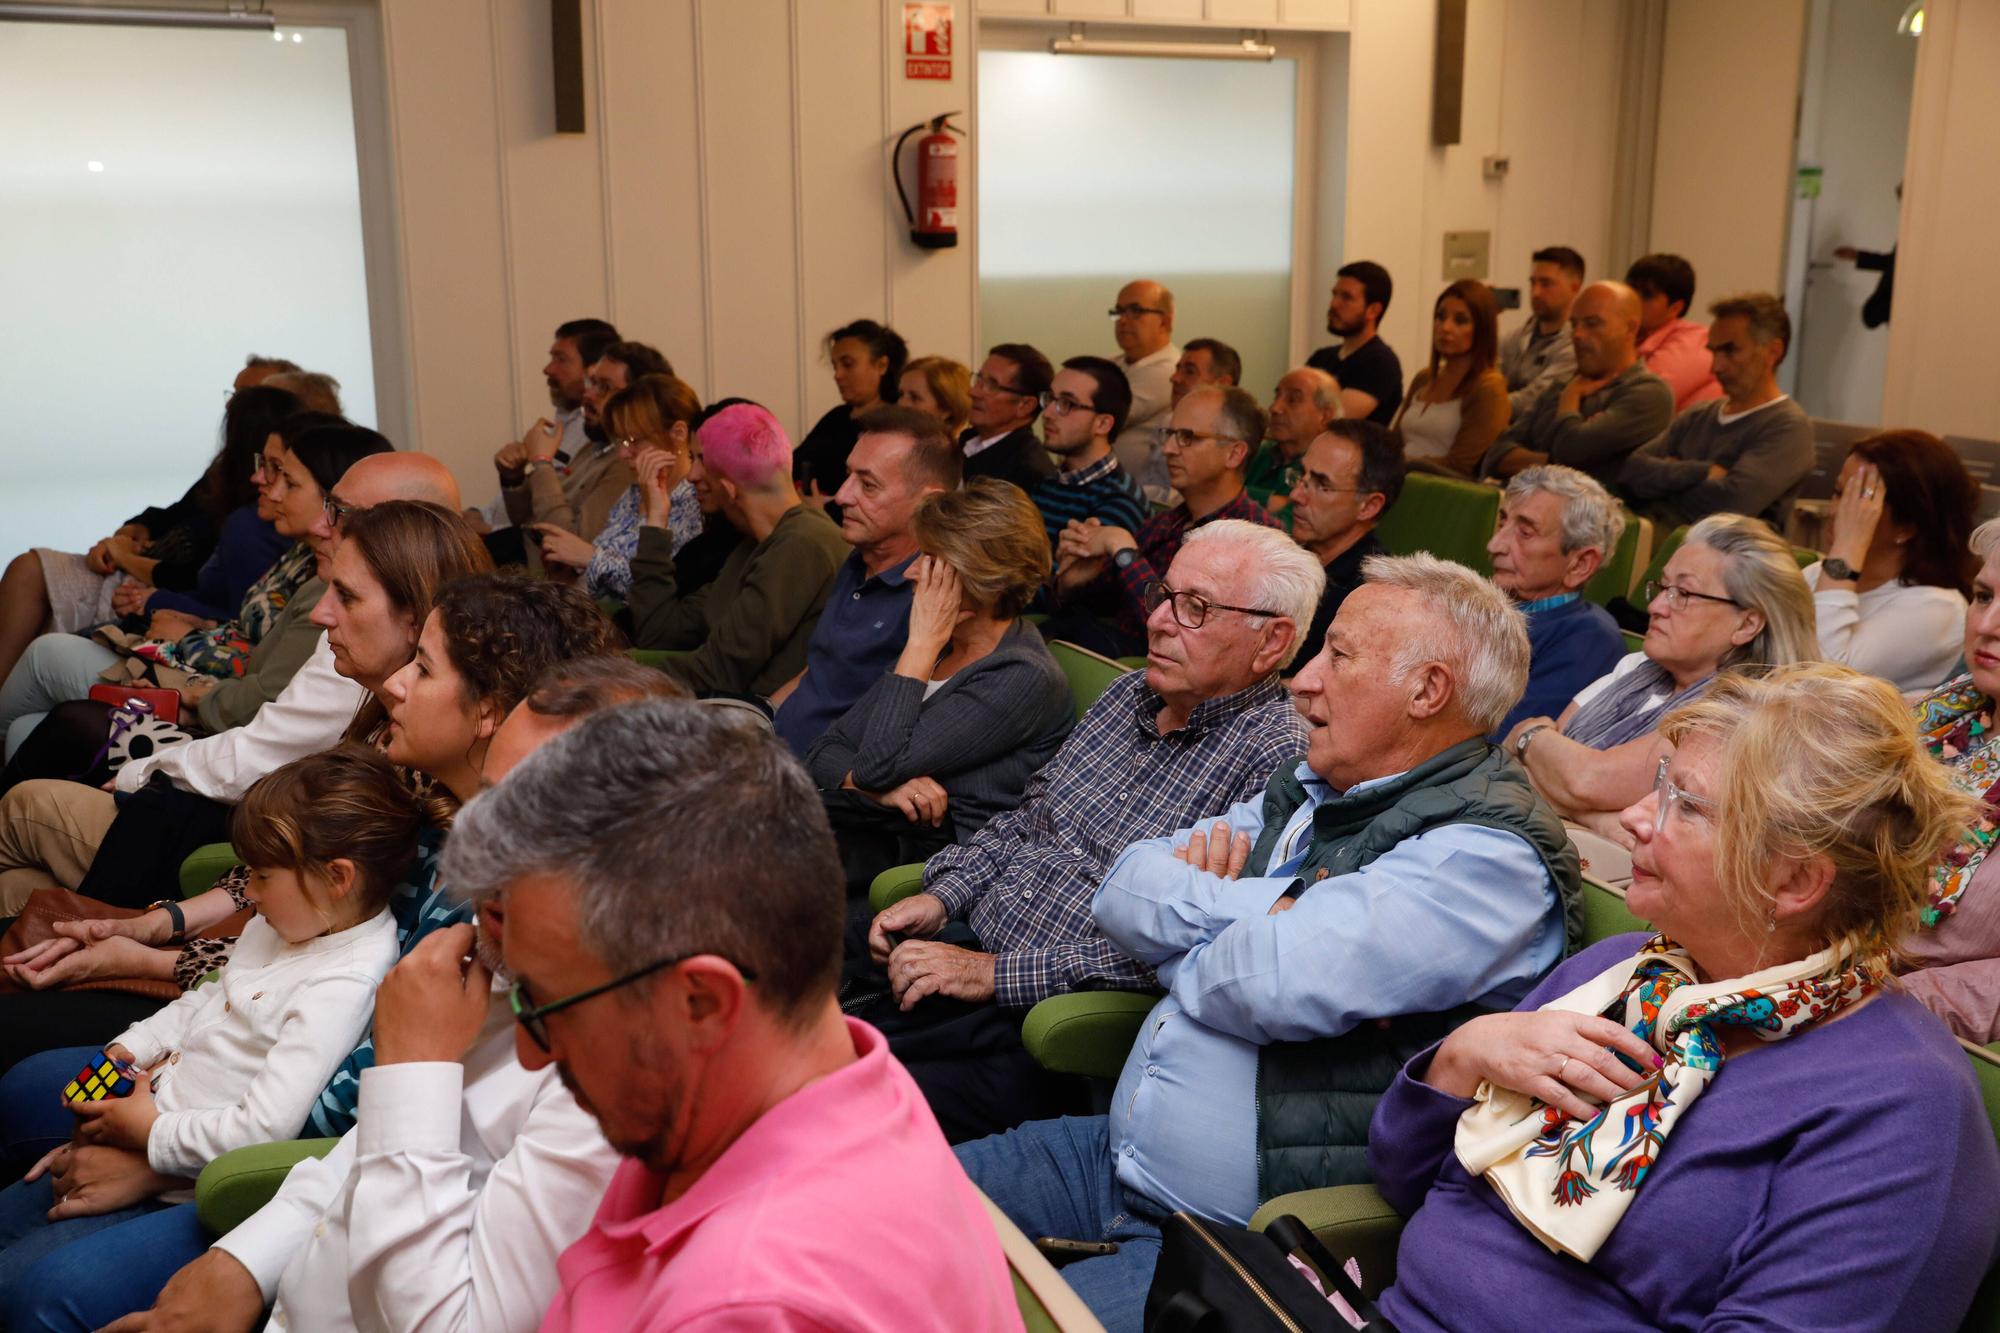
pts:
pixel 1429 428
pixel 1909 634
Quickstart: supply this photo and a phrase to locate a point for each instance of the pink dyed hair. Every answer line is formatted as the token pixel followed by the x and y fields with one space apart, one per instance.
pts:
pixel 746 444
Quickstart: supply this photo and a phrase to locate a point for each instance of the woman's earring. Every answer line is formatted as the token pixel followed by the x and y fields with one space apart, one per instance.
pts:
pixel 1771 920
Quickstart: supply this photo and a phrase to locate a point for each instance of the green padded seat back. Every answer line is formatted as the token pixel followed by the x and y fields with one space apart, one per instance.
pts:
pixel 238 1183
pixel 1451 519
pixel 1657 565
pixel 1605 913
pixel 1614 577
pixel 205 865
pixel 1089 674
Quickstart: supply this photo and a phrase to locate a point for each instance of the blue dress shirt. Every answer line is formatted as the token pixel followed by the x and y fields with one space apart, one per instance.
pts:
pixel 860 634
pixel 1459 913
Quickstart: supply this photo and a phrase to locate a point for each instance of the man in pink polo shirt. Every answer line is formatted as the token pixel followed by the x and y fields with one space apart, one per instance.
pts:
pixel 1671 345
pixel 674 916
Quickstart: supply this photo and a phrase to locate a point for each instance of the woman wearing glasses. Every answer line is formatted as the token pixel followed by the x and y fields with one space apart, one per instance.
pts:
pixel 1729 599
pixel 1840 1173
pixel 973 706
pixel 231 668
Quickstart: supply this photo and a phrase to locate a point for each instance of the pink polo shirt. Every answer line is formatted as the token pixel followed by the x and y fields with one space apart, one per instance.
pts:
pixel 842 1208
pixel 1678 353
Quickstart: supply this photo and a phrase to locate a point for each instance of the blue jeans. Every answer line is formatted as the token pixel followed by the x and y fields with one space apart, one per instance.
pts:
pixel 33 1118
pixel 56 669
pixel 1056 1178
pixel 83 1272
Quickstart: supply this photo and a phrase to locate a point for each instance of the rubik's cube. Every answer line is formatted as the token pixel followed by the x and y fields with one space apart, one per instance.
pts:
pixel 102 1077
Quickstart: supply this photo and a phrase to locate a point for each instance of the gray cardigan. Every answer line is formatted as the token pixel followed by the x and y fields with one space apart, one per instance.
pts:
pixel 981 736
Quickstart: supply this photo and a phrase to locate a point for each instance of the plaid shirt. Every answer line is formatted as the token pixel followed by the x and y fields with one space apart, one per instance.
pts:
pixel 1025 881
pixel 1159 541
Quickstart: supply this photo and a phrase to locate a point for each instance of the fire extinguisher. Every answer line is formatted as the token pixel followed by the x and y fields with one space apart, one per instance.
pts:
pixel 934 223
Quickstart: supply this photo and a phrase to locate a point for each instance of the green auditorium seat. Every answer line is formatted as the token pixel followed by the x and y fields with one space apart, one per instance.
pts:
pixel 205 865
pixel 1089 674
pixel 1614 576
pixel 238 1183
pixel 1449 518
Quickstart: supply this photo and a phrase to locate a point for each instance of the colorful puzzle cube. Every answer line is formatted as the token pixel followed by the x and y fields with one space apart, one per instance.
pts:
pixel 102 1077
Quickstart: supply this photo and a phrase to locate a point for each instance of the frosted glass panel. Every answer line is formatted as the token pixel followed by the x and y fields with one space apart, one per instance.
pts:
pixel 170 201
pixel 1094 170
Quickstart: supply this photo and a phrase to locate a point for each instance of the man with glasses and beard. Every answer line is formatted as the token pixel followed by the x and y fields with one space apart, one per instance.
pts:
pixel 1087 404
pixel 466 1174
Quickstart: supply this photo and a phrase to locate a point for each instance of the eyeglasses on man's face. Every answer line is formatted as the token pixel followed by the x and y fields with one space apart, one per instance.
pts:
pixel 1181 438
pixel 991 385
pixel 1134 311
pixel 1669 798
pixel 338 510
pixel 1678 598
pixel 1191 608
pixel 533 1017
pixel 1062 404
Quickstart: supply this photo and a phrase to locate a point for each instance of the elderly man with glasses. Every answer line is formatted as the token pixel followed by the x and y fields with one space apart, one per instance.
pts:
pixel 1399 880
pixel 1003 920
pixel 1102 570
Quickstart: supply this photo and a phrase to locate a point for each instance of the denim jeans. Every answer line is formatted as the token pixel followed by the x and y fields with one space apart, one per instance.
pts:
pixel 33 1118
pixel 55 669
pixel 83 1272
pixel 1055 1178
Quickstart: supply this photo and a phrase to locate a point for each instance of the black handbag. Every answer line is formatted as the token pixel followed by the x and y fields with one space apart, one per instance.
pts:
pixel 1214 1278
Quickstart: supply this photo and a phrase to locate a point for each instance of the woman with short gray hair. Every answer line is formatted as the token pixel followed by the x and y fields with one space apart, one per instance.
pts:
pixel 1731 599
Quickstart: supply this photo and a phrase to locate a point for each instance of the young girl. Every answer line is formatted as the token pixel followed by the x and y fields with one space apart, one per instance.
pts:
pixel 241 1059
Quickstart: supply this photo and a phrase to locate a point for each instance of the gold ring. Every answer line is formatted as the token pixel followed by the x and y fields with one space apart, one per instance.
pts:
pixel 1564 1065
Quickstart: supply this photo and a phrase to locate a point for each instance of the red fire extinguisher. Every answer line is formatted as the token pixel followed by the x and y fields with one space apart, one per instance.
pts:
pixel 934 223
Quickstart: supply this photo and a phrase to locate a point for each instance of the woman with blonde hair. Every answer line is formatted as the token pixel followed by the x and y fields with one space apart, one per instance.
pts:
pixel 1457 405
pixel 1844 1176
pixel 975 703
pixel 940 386
pixel 1730 600
pixel 650 422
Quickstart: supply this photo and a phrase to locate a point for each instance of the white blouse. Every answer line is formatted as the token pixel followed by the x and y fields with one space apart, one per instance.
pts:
pixel 1429 428
pixel 1908 634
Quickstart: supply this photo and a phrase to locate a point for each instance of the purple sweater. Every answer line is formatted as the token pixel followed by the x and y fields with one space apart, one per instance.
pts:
pixel 1845 1178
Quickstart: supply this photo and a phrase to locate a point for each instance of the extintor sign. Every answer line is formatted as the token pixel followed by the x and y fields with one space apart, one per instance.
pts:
pixel 926 40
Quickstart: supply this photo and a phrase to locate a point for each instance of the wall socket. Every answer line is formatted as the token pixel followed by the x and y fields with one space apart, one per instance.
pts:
pixel 1494 166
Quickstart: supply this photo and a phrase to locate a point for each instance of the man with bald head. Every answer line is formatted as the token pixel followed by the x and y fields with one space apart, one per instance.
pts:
pixel 1144 327
pixel 1610 407
pixel 1305 403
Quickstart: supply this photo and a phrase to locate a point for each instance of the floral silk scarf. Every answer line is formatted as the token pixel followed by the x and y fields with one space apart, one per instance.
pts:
pixel 1570 1182
pixel 1956 723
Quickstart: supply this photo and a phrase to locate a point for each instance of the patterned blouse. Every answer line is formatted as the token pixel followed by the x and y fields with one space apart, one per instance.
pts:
pixel 610 572
pixel 224 651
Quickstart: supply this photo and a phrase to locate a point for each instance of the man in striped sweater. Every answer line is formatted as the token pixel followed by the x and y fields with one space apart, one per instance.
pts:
pixel 1088 402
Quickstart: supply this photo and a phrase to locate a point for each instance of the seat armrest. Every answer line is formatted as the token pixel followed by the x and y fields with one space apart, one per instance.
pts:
pixel 1353 1221
pixel 1085 1032
pixel 238 1183
pixel 895 884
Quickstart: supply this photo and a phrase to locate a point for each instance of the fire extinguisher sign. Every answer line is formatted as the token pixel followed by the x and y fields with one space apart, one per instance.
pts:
pixel 926 40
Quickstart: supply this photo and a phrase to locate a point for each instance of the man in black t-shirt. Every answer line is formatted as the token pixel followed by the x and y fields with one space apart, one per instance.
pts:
pixel 1371 378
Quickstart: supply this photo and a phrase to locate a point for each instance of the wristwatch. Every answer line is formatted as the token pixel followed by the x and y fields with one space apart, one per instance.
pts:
pixel 175 916
pixel 1123 560
pixel 1521 746
pixel 1836 568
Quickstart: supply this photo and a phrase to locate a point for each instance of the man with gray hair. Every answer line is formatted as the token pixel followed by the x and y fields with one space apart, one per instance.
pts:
pixel 1745 453
pixel 1305 403
pixel 1400 880
pixel 673 916
pixel 1557 526
pixel 1003 921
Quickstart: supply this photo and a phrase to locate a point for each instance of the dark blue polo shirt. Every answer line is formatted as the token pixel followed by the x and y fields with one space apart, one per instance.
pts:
pixel 860 635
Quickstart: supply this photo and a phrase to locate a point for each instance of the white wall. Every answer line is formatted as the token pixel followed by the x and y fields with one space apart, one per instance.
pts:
pixel 1940 363
pixel 1539 88
pixel 1722 169
pixel 729 204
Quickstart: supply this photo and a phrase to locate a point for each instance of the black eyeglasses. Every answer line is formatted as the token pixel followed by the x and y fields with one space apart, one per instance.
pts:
pixel 1191 608
pixel 991 385
pixel 1677 598
pixel 338 511
pixel 533 1018
pixel 1134 311
pixel 1061 405
pixel 1181 438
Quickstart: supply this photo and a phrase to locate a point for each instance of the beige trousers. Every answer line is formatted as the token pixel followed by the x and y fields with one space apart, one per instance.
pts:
pixel 49 834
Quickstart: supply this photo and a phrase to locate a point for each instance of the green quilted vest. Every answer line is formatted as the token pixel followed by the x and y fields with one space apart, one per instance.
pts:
pixel 1315 1098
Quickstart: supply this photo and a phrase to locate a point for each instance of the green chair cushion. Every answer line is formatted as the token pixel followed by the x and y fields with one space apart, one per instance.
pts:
pixel 1089 674
pixel 1605 913
pixel 895 884
pixel 1086 1032
pixel 1353 1221
pixel 205 865
pixel 238 1183
pixel 1451 519
pixel 1614 577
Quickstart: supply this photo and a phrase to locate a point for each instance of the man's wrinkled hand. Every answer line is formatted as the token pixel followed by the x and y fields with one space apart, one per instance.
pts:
pixel 919 968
